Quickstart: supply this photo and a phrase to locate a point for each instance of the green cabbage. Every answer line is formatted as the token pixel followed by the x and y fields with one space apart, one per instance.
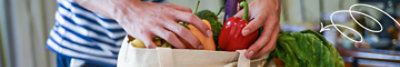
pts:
pixel 306 49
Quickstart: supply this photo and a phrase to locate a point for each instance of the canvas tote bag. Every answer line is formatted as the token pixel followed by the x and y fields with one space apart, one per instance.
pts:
pixel 130 56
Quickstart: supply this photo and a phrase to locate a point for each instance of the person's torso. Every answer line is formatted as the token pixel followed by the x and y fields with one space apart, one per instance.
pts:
pixel 80 33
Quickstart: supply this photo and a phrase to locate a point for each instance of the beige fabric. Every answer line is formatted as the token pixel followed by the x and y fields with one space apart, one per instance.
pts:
pixel 130 56
pixel 76 63
pixel 243 61
pixel 165 56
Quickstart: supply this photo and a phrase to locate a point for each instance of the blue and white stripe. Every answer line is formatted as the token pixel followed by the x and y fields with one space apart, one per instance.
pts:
pixel 81 34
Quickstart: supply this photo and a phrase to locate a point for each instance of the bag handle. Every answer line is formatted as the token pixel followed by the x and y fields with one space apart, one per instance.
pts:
pixel 165 57
pixel 243 61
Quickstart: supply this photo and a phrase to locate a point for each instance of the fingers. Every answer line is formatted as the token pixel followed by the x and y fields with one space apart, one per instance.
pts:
pixel 263 39
pixel 194 20
pixel 239 14
pixel 169 37
pixel 253 49
pixel 253 26
pixel 147 40
pixel 183 33
pixel 270 45
pixel 185 9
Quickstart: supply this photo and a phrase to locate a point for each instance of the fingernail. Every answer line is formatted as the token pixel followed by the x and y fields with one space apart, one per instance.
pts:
pixel 251 52
pixel 209 33
pixel 245 31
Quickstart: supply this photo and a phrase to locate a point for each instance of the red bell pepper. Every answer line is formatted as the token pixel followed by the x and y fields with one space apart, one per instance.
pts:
pixel 231 38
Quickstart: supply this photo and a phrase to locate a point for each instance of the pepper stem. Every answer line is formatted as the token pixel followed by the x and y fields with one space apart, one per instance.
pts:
pixel 246 10
pixel 197 6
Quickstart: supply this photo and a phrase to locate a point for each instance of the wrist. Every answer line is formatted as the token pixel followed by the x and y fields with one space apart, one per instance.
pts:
pixel 121 9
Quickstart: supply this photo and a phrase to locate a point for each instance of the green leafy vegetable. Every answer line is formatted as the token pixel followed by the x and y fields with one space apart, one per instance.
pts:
pixel 207 14
pixel 306 49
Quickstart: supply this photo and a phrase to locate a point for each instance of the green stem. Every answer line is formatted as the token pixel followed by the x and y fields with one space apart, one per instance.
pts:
pixel 220 10
pixel 246 10
pixel 197 7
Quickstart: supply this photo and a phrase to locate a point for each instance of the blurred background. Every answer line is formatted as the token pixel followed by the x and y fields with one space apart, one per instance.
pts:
pixel 25 24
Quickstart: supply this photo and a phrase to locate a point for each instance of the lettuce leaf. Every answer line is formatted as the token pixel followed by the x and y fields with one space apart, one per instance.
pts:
pixel 306 49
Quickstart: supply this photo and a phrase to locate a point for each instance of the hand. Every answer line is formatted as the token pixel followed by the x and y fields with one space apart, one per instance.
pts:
pixel 266 14
pixel 146 20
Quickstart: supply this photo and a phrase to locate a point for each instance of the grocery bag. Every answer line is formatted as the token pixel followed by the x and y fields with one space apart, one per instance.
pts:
pixel 130 56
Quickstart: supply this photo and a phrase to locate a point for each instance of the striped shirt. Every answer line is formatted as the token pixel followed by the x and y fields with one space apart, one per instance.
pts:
pixel 81 34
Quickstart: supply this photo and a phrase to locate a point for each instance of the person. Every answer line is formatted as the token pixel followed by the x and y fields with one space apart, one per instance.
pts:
pixel 90 32
pixel 266 14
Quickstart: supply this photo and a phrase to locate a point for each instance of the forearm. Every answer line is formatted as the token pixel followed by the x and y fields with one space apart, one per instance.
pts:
pixel 273 5
pixel 108 8
pixel 276 4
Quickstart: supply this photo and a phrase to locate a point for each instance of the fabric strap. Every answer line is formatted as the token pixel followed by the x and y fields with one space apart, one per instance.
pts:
pixel 243 61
